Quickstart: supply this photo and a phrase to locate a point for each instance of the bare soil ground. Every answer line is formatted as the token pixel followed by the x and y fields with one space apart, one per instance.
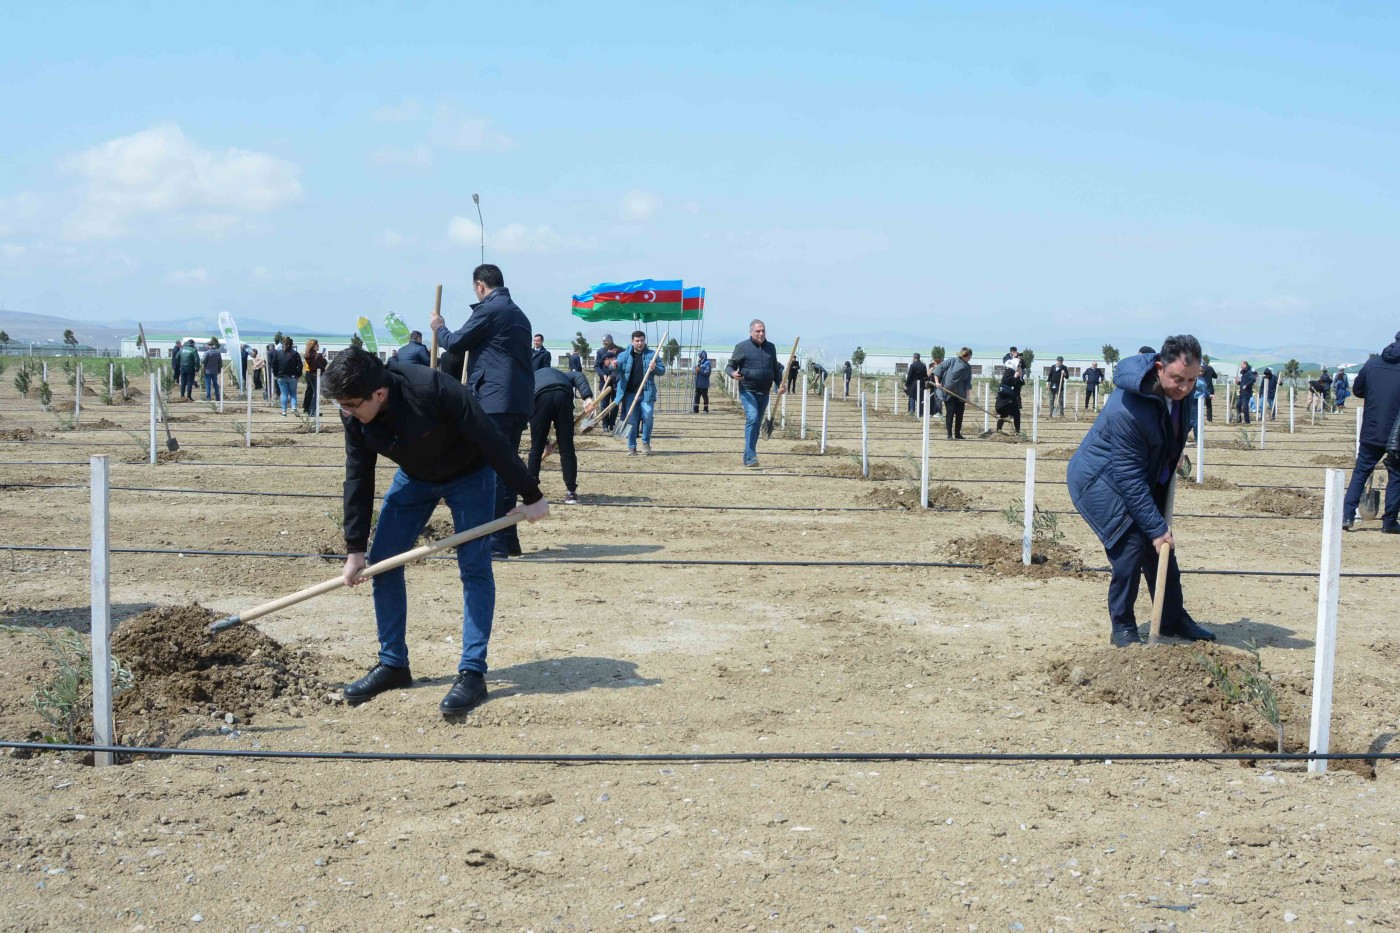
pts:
pixel 597 650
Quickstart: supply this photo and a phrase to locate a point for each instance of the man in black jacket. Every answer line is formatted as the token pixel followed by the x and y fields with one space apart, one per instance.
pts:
pixel 754 364
pixel 1092 377
pixel 1378 384
pixel 554 407
pixel 496 344
pixel 914 381
pixel 448 449
pixel 540 358
pixel 1211 375
pixel 414 351
pixel 1057 379
pixel 846 372
pixel 601 369
pixel 793 371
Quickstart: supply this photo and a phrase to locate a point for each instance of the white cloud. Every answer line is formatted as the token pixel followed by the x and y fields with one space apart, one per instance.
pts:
pixel 199 276
pixel 417 157
pixel 638 205
pixel 515 238
pixel 161 172
pixel 813 246
pixel 477 135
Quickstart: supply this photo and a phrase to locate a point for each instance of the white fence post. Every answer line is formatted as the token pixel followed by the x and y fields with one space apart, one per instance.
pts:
pixel 864 441
pixel 317 402
pixel 101 611
pixel 154 382
pixel 248 432
pixel 925 399
pixel 986 418
pixel 1263 429
pixel 1029 503
pixel 1035 414
pixel 826 403
pixel 1329 578
pixel 802 431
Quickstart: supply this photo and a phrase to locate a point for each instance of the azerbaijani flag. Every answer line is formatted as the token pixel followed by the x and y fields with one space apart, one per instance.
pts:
pixel 643 299
pixel 693 304
pixel 582 306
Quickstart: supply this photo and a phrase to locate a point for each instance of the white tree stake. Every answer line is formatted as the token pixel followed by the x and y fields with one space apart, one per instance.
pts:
pixel 248 431
pixel 1201 439
pixel 221 391
pixel 986 417
pixel 78 395
pixel 1290 409
pixel 154 379
pixel 1358 430
pixel 826 403
pixel 864 440
pixel 802 432
pixel 101 612
pixel 1035 414
pixel 1029 503
pixel 1263 430
pixel 112 382
pixel 924 399
pixel 316 402
pixel 1329 578
pixel 877 394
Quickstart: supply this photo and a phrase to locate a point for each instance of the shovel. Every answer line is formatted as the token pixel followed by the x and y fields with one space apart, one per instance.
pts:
pixel 407 557
pixel 1159 594
pixel 171 444
pixel 588 425
pixel 1370 505
pixel 620 431
pixel 437 312
pixel 967 401
pixel 773 402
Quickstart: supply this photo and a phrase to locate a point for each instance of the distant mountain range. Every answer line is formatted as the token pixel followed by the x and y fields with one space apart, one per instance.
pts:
pixel 24 327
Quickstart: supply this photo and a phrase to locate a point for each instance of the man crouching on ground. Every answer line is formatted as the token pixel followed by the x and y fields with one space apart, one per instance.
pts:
pixel 1118 480
pixel 447 449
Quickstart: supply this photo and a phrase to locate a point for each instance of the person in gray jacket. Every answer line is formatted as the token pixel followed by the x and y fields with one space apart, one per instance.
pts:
pixel 754 364
pixel 954 376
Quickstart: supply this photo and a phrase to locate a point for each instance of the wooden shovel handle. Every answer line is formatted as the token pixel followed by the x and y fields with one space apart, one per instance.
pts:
pixel 335 583
pixel 651 367
pixel 1159 594
pixel 437 312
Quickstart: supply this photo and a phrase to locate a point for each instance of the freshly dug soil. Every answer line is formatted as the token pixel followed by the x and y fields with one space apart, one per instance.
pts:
pixel 899 497
pixel 831 450
pixel 1282 502
pixel 1002 557
pixel 1059 453
pixel 1211 483
pixel 1001 437
pixel 99 423
pixel 180 671
pixel 276 440
pixel 1336 461
pixel 165 456
pixel 850 469
pixel 17 434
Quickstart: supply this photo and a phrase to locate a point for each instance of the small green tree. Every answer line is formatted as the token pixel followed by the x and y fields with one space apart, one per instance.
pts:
pixel 4 339
pixel 580 345
pixel 277 340
pixel 69 340
pixel 938 352
pixel 671 351
pixel 1292 371
pixel 1110 354
pixel 356 342
pixel 858 358
pixel 1027 358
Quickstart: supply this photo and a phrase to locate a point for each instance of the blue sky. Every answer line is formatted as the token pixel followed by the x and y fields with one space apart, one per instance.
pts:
pixel 1009 173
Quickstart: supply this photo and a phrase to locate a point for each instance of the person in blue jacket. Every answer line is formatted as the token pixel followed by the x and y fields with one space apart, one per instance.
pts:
pixel 414 351
pixel 495 343
pixel 1119 476
pixel 631 373
pixel 703 368
pixel 1341 389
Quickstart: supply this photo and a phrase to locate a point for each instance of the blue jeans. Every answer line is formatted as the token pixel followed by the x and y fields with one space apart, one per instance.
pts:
pixel 641 418
pixel 511 427
pixel 211 386
pixel 755 404
pixel 287 390
pixel 407 506
pixel 1367 459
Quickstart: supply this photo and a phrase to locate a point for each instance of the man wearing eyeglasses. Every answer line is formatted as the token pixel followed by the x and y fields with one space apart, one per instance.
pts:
pixel 448 450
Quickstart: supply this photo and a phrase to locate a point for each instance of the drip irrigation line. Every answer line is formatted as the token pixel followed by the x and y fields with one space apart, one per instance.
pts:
pixel 699 757
pixel 691 561
pixel 634 505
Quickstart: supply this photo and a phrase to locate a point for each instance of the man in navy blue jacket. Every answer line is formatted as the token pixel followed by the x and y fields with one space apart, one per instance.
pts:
pixel 1378 385
pixel 1119 476
pixel 495 342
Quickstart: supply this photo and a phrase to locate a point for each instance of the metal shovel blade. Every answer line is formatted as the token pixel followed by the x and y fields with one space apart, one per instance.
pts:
pixel 1370 504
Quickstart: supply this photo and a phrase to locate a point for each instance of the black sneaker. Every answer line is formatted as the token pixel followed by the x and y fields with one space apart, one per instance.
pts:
pixel 1348 524
pixel 1390 529
pixel 467 691
pixel 381 677
pixel 571 498
pixel 1188 630
pixel 1125 636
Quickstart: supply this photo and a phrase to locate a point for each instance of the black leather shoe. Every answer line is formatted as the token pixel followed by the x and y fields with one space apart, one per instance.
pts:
pixel 1349 524
pixel 1390 529
pixel 467 691
pixel 1188 630
pixel 381 677
pixel 1125 636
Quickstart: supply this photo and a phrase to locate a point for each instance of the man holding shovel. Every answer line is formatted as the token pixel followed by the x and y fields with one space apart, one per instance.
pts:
pixel 1119 477
pixel 632 378
pixel 754 365
pixel 447 449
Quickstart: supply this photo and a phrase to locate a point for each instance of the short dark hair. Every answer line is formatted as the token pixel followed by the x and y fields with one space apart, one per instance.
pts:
pixel 1013 349
pixel 916 356
pixel 541 336
pixel 488 275
pixel 415 335
pixel 288 343
pixel 354 373
pixel 639 333
pixel 1146 349
pixel 1181 346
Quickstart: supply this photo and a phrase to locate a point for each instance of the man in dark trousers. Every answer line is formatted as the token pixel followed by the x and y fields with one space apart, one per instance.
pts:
pixel 1268 390
pixel 1093 376
pixel 1211 375
pixel 447 449
pixel 414 351
pixel 495 341
pixel 554 407
pixel 1057 379
pixel 793 371
pixel 1378 385
pixel 846 371
pixel 703 369
pixel 754 364
pixel 600 367
pixel 540 358
pixel 1246 396
pixel 915 379
pixel 1119 476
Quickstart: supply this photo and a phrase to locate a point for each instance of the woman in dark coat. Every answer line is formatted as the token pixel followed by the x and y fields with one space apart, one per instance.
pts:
pixel 1009 396
pixel 315 362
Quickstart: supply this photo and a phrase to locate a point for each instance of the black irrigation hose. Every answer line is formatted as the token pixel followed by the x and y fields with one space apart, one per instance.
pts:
pixel 691 561
pixel 699 758
pixel 627 505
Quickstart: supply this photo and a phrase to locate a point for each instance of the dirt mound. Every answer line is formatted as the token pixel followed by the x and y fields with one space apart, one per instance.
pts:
pixel 275 440
pixel 100 423
pixel 831 450
pixel 164 456
pixel 939 497
pixel 1059 453
pixel 1235 444
pixel 1002 557
pixel 1282 502
pixel 1211 483
pixel 1000 437
pixel 435 529
pixel 17 434
pixel 585 444
pixel 178 670
pixel 1336 461
pixel 850 469
pixel 1189 682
